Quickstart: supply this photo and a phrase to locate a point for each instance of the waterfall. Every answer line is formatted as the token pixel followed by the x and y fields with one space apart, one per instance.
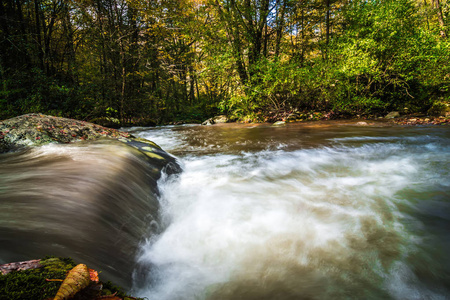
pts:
pixel 93 202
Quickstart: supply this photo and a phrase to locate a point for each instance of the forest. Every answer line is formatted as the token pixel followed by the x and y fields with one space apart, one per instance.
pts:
pixel 159 62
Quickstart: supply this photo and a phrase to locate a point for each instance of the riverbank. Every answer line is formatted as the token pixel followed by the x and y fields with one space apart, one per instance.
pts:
pixel 394 117
pixel 421 120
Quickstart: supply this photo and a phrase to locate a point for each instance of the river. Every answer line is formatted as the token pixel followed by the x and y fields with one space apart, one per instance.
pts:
pixel 323 210
pixel 329 210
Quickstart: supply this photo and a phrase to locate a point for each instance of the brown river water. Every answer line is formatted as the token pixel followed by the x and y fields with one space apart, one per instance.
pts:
pixel 333 210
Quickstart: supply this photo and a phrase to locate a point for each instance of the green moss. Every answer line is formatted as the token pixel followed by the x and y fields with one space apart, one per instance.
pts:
pixel 32 284
pixel 110 288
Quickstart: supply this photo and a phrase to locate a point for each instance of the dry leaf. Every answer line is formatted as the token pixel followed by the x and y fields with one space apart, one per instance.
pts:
pixel 77 279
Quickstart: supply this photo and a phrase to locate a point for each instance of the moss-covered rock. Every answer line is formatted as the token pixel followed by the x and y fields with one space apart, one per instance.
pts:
pixel 37 129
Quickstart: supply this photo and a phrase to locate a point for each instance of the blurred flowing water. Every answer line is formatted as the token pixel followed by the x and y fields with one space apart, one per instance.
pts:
pixel 305 211
pixel 331 210
pixel 93 202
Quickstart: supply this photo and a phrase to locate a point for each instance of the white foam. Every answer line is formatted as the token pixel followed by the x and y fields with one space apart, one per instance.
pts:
pixel 274 218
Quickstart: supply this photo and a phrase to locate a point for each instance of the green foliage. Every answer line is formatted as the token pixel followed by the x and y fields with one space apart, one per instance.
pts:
pixel 175 61
pixel 382 61
pixel 382 56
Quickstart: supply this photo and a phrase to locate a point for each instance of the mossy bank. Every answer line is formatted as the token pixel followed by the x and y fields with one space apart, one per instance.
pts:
pixel 44 279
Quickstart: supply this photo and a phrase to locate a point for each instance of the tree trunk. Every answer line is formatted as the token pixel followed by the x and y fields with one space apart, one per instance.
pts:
pixel 122 92
pixel 426 14
pixel 280 27
pixel 20 266
pixel 303 35
pixel 440 18
pixel 255 32
pixel 234 41
pixel 328 23
pixel 70 48
pixel 38 33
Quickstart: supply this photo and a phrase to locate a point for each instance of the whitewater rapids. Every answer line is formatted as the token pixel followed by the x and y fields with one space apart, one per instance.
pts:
pixel 338 212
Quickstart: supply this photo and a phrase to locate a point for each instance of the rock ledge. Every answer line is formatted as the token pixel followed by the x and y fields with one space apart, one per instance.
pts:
pixel 37 129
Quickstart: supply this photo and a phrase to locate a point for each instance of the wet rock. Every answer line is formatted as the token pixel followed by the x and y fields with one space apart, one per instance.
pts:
pixel 295 116
pixel 216 120
pixel 279 123
pixel 208 122
pixel 305 116
pixel 392 115
pixel 440 109
pixel 37 129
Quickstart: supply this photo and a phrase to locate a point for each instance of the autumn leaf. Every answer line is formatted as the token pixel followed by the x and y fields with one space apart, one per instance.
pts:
pixel 93 275
pixel 77 279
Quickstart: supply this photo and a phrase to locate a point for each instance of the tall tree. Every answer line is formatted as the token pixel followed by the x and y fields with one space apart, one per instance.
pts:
pixel 440 16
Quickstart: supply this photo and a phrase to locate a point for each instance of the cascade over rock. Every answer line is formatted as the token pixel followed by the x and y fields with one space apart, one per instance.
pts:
pixel 91 196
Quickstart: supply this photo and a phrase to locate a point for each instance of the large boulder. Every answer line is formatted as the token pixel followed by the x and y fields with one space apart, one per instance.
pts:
pixel 94 198
pixel 216 120
pixel 392 115
pixel 38 129
pixel 440 108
